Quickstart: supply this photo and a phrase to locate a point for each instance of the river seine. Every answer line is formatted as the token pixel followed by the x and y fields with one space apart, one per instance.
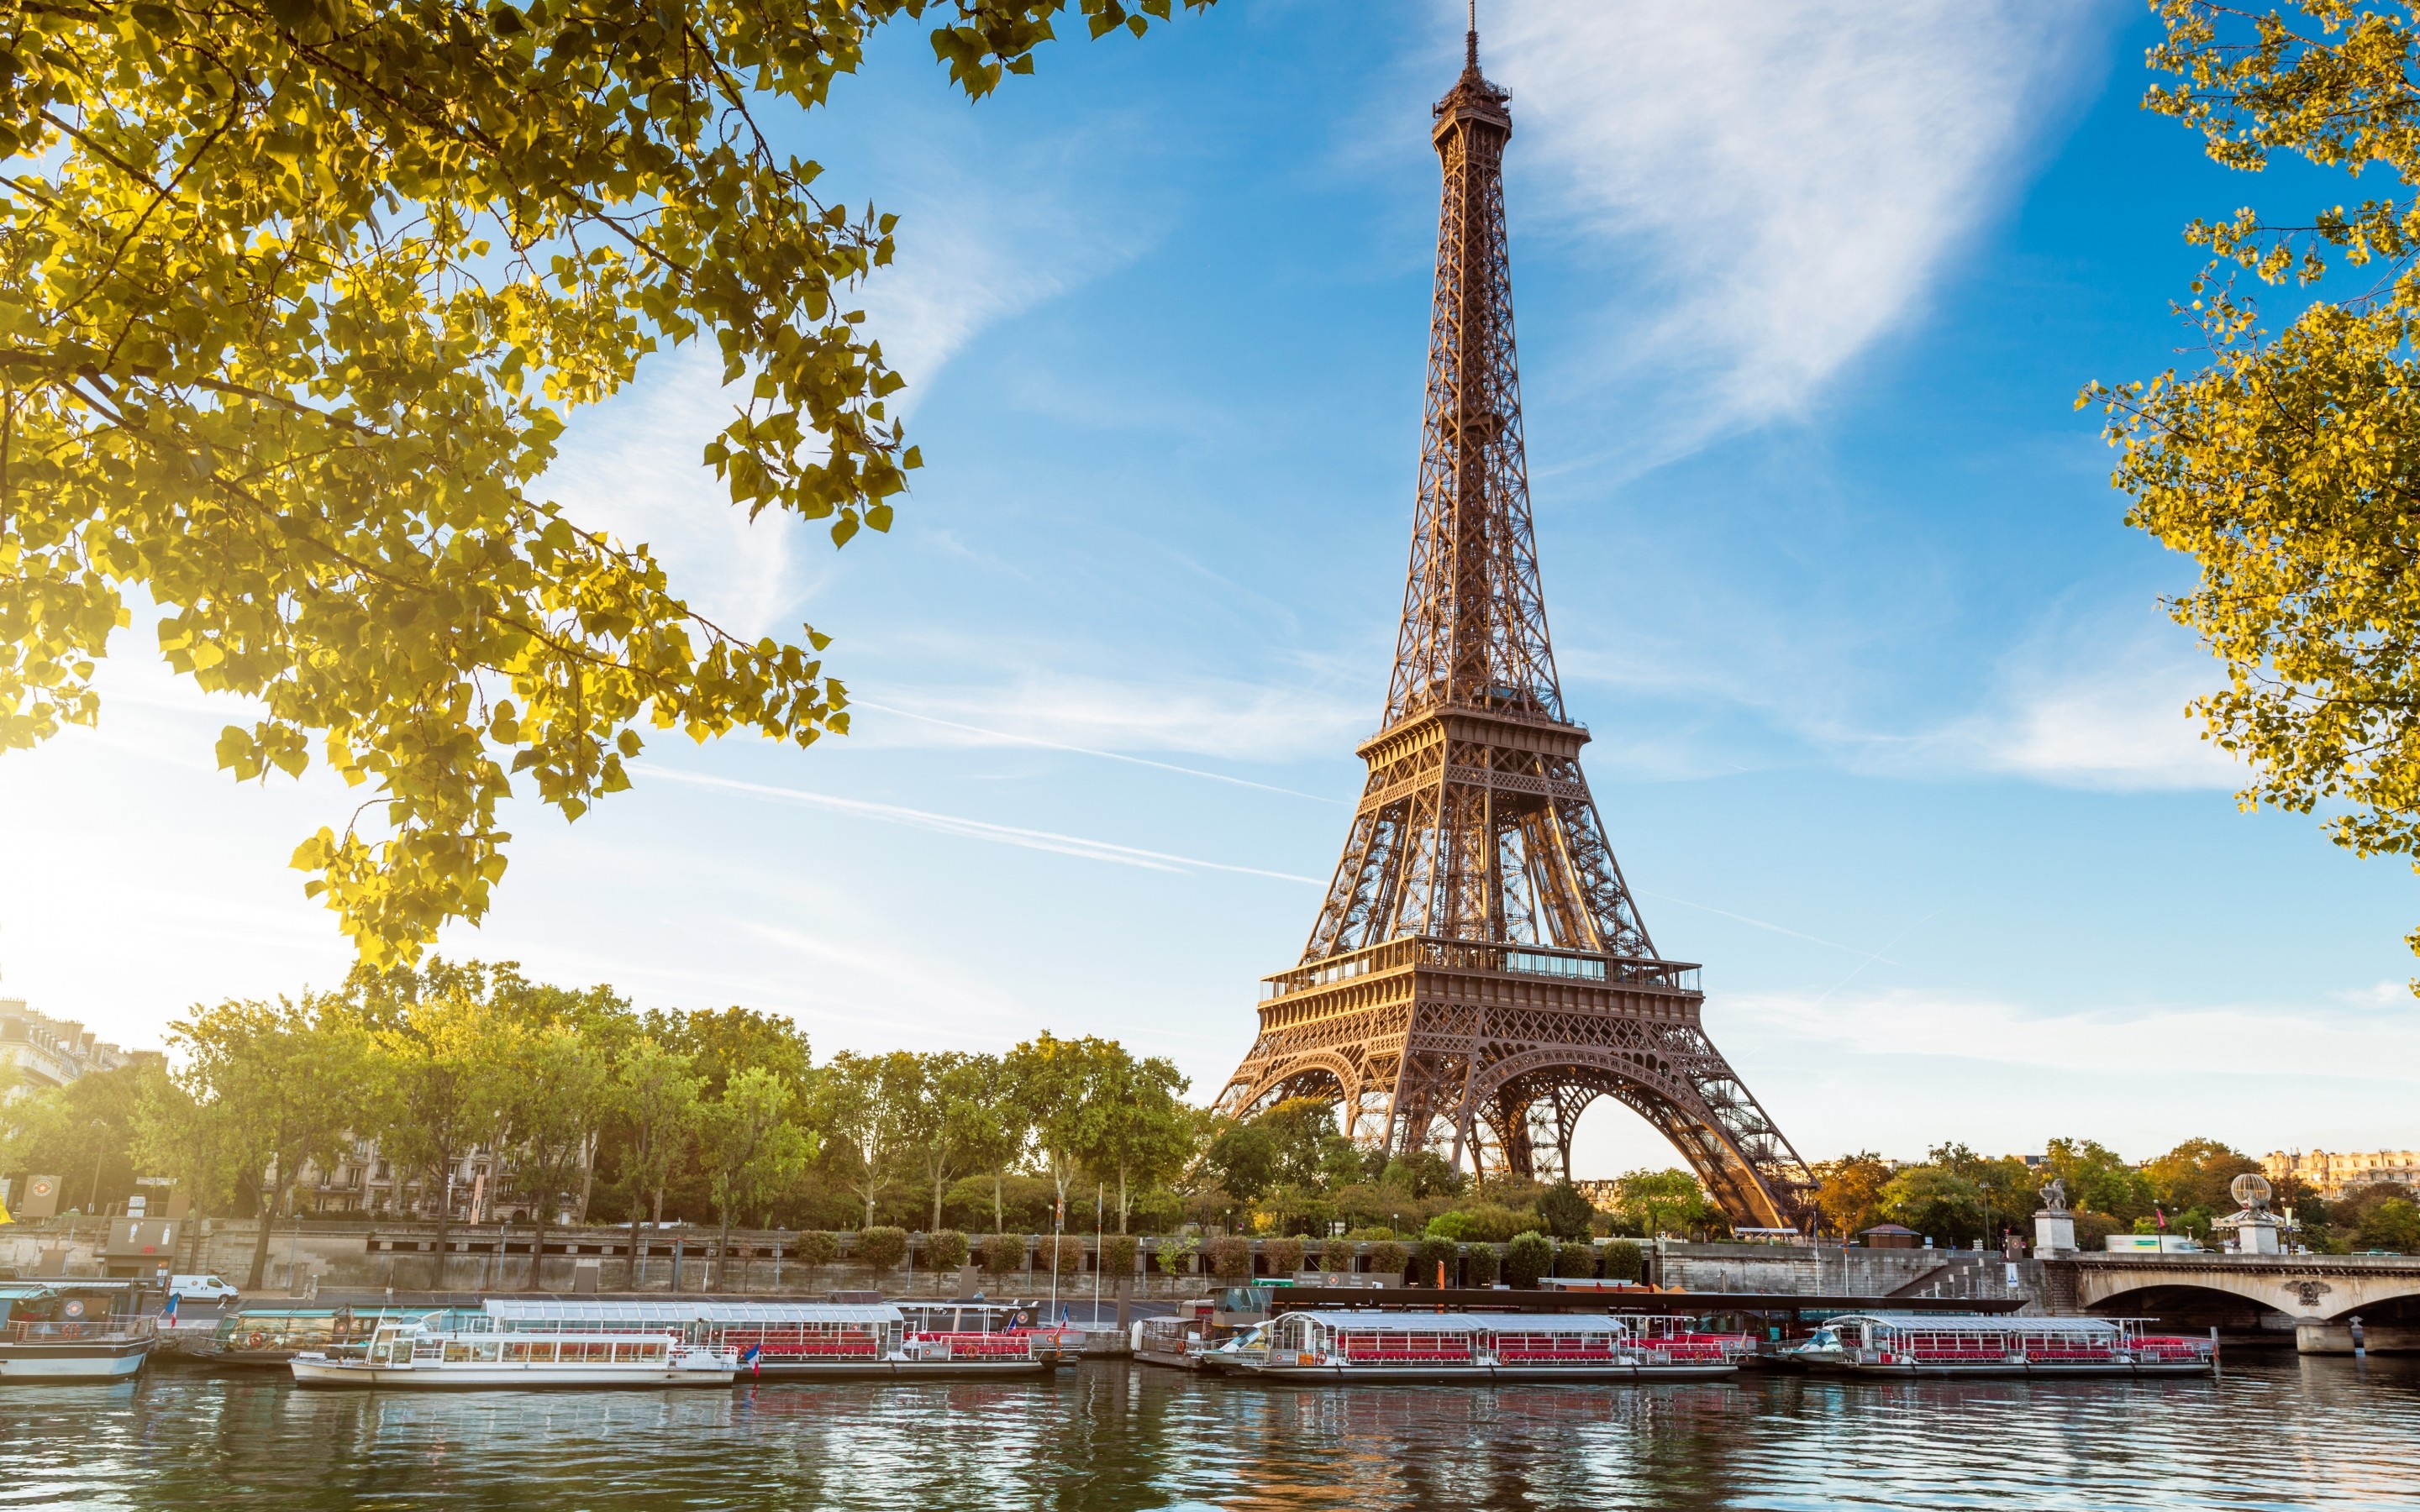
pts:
pixel 2283 1432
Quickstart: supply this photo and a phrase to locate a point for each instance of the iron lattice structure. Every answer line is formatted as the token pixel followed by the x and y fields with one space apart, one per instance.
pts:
pixel 1479 973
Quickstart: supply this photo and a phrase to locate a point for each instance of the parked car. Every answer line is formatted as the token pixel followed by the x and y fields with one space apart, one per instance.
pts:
pixel 202 1288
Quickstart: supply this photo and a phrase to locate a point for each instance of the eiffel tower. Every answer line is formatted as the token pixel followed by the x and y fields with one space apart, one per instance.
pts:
pixel 1479 973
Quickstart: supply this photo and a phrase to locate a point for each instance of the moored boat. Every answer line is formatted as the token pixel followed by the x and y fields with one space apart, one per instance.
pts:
pixel 1951 1344
pixel 1313 1345
pixel 48 1337
pixel 426 1353
pixel 270 1337
pixel 800 1340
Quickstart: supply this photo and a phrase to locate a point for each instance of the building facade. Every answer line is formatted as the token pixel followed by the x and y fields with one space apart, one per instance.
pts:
pixel 47 1052
pixel 2331 1175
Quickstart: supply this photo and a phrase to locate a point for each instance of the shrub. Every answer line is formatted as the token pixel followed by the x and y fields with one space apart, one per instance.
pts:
pixel 1064 1254
pixel 1386 1258
pixel 1003 1254
pixel 945 1249
pixel 815 1247
pixel 1480 1266
pixel 1528 1258
pixel 2092 1228
pixel 1370 1233
pixel 1283 1254
pixel 1432 1254
pixel 880 1248
pixel 1231 1259
pixel 1176 1255
pixel 1623 1261
pixel 1576 1258
pixel 1455 1226
pixel 1118 1253
pixel 1336 1254
pixel 1493 1223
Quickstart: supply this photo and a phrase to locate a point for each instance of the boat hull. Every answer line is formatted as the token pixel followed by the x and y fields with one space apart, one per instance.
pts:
pixel 497 1377
pixel 1480 1374
pixel 895 1369
pixel 2021 1368
pixel 74 1360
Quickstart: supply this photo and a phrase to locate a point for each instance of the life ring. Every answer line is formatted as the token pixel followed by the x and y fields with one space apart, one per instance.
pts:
pixel 72 1330
pixel 255 1339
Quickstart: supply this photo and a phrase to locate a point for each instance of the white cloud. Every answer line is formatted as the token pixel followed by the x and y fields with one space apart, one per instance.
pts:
pixel 2211 1039
pixel 1794 171
pixel 2100 709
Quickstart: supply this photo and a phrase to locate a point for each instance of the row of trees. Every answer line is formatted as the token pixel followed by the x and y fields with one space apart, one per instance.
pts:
pixel 1959 1196
pixel 569 1102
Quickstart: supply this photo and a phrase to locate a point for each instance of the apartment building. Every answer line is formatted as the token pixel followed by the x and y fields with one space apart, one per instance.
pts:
pixel 2331 1174
pixel 48 1052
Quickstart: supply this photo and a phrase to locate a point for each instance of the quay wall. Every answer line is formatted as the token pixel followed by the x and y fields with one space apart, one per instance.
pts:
pixel 492 1257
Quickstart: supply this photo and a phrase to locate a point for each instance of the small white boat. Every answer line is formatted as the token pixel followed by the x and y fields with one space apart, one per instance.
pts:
pixel 1954 1344
pixel 426 1353
pixel 1472 1346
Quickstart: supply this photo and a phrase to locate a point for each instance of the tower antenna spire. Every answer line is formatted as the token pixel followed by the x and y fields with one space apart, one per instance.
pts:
pixel 1470 41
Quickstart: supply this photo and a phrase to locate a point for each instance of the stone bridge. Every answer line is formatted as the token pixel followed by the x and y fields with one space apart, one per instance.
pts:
pixel 2314 1296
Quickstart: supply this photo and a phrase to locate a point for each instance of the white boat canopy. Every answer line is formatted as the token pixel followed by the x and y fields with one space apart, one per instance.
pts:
pixel 1983 1323
pixel 669 1314
pixel 1370 1320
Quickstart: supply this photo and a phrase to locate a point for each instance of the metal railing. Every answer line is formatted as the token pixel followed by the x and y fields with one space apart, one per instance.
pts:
pixel 1479 955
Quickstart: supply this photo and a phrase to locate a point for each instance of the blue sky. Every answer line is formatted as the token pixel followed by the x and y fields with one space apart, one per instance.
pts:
pixel 1888 726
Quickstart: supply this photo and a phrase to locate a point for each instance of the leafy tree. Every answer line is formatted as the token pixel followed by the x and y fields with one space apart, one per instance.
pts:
pixel 2283 466
pixel 294 302
pixel 2097 1179
pixel 84 1131
pixel 862 1106
pixel 943 1120
pixel 195 1144
pixel 1933 1199
pixel 283 1084
pixel 2392 1225
pixel 2195 1177
pixel 752 1146
pixel 1660 1200
pixel 1140 1132
pixel 1567 1213
pixel 1850 1193
pixel 721 1044
pixel 445 1050
pixel 1243 1159
pixel 1056 1085
pixel 655 1097
pixel 553 1089
pixel 2005 1186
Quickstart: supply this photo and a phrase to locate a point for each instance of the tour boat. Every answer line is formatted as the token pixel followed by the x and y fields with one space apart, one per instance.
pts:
pixel 800 1340
pixel 1950 1344
pixel 46 1336
pixel 1408 1345
pixel 271 1336
pixel 428 1354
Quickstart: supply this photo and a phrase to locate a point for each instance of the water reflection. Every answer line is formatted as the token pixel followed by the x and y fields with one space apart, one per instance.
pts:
pixel 2285 1433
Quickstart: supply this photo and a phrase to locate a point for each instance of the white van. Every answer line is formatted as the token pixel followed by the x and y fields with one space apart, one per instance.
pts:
pixel 202 1288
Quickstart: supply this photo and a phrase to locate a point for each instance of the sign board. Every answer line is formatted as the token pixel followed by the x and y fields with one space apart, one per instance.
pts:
pixel 41 1198
pixel 134 1238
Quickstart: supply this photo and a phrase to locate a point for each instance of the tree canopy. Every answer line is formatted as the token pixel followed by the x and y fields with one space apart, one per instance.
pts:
pixel 2289 465
pixel 295 302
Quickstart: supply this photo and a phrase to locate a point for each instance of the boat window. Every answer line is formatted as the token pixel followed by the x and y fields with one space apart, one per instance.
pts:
pixel 456 1351
pixel 489 1351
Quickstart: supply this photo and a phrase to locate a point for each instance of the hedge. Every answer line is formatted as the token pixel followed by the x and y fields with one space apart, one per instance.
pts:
pixel 1231 1259
pixel 880 1248
pixel 815 1247
pixel 1336 1254
pixel 945 1249
pixel 1575 1258
pixel 1482 1266
pixel 1283 1254
pixel 1432 1254
pixel 1624 1261
pixel 1118 1253
pixel 1003 1254
pixel 1528 1258
pixel 1386 1258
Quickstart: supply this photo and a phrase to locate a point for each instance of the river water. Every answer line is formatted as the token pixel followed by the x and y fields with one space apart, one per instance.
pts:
pixel 2278 1432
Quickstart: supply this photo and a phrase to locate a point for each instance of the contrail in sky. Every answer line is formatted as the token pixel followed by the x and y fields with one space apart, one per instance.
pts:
pixel 1033 840
pixel 1089 751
